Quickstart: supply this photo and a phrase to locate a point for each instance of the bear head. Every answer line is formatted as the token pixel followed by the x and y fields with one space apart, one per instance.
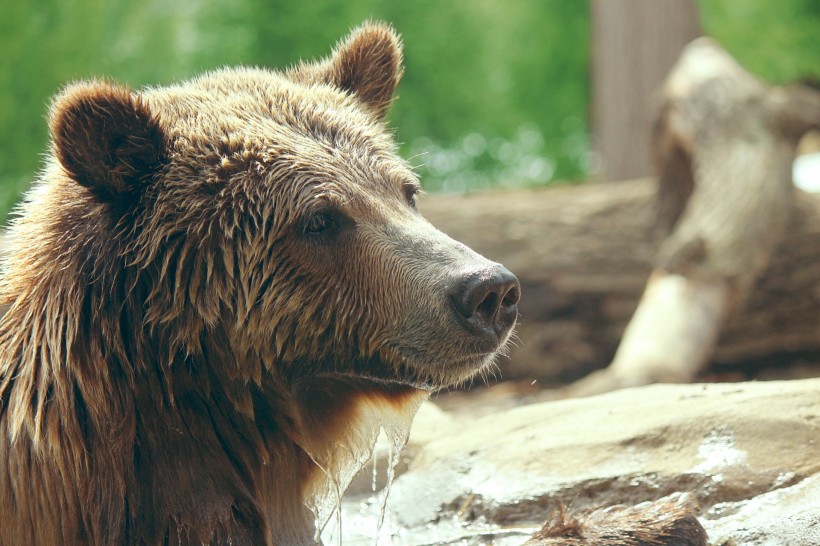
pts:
pixel 275 206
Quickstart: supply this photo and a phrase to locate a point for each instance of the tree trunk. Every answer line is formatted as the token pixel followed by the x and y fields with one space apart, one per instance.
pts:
pixel 634 44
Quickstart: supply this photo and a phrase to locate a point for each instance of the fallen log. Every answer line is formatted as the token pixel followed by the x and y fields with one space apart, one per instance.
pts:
pixel 583 254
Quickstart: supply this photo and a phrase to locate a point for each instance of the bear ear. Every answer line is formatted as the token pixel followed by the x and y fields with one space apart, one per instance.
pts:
pixel 367 64
pixel 106 139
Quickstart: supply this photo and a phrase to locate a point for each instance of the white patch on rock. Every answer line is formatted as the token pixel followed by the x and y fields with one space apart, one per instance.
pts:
pixel 806 172
pixel 718 451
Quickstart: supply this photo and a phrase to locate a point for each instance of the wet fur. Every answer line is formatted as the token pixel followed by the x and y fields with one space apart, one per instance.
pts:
pixel 179 350
pixel 670 521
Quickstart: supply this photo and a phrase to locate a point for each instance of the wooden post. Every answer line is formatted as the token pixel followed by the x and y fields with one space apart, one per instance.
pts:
pixel 634 44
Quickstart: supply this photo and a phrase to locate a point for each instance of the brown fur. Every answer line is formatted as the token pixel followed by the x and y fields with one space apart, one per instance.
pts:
pixel 217 290
pixel 670 521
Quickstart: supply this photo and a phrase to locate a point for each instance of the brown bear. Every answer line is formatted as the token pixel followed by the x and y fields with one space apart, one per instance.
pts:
pixel 217 290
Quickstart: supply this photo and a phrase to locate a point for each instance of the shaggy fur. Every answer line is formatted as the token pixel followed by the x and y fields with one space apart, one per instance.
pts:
pixel 217 291
pixel 670 521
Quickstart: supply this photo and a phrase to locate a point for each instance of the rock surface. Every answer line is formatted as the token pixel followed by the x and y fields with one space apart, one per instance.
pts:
pixel 748 452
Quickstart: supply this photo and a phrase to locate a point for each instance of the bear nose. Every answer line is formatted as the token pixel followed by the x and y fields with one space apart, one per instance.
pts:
pixel 488 298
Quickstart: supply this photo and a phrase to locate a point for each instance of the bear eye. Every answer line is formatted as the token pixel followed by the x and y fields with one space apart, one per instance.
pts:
pixel 410 194
pixel 321 222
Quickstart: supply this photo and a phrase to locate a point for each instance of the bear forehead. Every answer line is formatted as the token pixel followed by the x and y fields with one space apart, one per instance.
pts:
pixel 242 118
pixel 262 105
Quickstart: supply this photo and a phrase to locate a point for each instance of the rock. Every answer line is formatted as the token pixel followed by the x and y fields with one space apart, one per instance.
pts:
pixel 738 449
pixel 790 515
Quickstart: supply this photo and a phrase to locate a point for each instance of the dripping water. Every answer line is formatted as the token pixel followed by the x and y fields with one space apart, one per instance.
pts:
pixel 324 501
pixel 341 461
pixel 374 482
pixel 394 447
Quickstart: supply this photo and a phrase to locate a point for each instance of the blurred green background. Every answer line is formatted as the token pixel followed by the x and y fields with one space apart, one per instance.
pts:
pixel 495 92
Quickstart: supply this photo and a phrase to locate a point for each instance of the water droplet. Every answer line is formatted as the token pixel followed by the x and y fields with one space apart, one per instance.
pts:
pixel 375 479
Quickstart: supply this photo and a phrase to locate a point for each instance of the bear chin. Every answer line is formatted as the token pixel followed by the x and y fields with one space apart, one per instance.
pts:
pixel 434 376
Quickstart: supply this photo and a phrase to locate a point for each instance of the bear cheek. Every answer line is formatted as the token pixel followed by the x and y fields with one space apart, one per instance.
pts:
pixel 397 298
pixel 300 321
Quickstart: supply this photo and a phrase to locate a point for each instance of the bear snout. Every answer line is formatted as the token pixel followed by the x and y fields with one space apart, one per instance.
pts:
pixel 486 303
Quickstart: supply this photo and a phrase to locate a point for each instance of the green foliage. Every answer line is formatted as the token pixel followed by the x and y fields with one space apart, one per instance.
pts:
pixel 777 41
pixel 494 93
